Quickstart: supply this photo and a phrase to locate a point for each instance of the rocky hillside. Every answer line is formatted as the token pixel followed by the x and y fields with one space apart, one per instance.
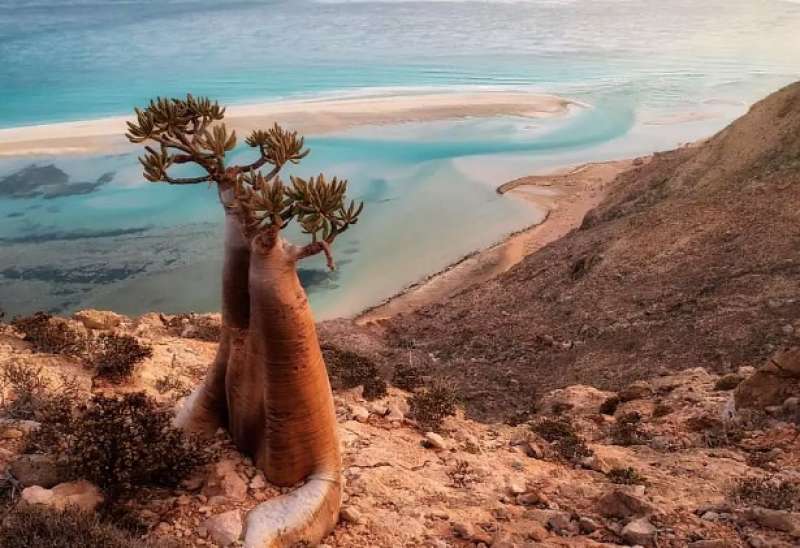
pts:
pixel 667 462
pixel 692 261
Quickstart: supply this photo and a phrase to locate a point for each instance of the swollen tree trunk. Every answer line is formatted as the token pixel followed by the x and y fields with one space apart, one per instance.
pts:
pixel 281 407
pixel 207 408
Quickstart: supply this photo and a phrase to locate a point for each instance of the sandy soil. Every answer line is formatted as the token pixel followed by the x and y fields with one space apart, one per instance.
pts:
pixel 306 116
pixel 566 195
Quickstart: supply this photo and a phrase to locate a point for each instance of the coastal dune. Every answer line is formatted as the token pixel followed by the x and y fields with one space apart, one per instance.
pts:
pixel 313 116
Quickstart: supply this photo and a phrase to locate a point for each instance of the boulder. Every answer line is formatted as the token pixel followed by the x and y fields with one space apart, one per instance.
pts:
pixel 773 383
pixel 435 441
pixel 42 470
pixel 578 399
pixel 224 529
pixel 639 532
pixel 98 319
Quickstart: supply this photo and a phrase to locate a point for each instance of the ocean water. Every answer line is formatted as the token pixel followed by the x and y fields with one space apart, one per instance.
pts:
pixel 653 74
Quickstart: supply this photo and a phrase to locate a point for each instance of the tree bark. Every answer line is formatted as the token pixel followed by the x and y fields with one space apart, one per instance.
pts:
pixel 281 409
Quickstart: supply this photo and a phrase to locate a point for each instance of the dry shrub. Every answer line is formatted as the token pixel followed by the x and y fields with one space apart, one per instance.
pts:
pixel 34 526
pixel 51 335
pixel 431 406
pixel 768 492
pixel 171 383
pixel 113 357
pixel 35 397
pixel 126 441
pixel 627 430
pixel 625 476
pixel 348 370
pixel 561 435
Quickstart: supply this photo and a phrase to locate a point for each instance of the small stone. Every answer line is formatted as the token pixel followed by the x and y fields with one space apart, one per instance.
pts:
pixel 359 413
pixel 503 539
pixel 378 408
pixel 351 514
pixel 516 486
pixel 710 516
pixel 787 329
pixel 537 533
pixel 225 528
pixel 224 481
pixel 623 504
pixel 258 482
pixel 532 499
pixel 587 525
pixel 435 441
pixel 560 522
pixel 639 531
pixel 37 495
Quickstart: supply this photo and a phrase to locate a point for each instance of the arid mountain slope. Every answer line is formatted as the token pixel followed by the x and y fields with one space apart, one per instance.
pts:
pixel 692 261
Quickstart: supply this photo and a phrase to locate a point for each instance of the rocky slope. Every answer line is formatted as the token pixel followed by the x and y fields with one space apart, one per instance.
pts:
pixel 665 462
pixel 691 261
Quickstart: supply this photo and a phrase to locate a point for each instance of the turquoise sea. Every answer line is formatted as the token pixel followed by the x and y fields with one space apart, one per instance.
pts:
pixel 653 74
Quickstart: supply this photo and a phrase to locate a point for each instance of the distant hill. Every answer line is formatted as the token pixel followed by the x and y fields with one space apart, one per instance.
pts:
pixel 692 260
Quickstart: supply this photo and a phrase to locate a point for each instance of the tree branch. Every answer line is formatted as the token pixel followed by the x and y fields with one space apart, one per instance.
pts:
pixel 315 248
pixel 187 180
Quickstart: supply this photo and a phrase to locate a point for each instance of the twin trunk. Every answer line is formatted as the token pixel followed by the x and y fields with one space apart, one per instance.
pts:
pixel 268 385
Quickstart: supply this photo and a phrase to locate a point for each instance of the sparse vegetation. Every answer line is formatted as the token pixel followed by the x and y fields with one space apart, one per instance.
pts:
pixel 33 526
pixel 561 435
pixel 170 383
pixel 26 394
pixel 462 475
pixel 125 441
pixel 626 476
pixel 431 406
pixel 114 356
pixel 627 430
pixel 768 492
pixel 662 409
pixel 348 370
pixel 51 335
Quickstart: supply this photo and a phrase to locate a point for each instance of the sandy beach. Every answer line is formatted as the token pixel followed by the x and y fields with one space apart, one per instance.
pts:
pixel 566 194
pixel 307 116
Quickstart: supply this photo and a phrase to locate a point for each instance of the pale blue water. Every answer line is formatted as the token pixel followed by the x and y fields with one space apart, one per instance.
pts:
pixel 429 187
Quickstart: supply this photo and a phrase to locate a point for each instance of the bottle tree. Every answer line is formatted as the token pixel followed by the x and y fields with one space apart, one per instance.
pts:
pixel 268 383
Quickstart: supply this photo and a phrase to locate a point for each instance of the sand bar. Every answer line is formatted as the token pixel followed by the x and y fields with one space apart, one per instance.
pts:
pixel 313 116
pixel 567 195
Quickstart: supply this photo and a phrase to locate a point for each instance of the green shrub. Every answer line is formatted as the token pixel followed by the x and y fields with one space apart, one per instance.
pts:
pixel 348 370
pixel 114 356
pixel 127 441
pixel 431 406
pixel 51 335
pixel 561 435
pixel 35 526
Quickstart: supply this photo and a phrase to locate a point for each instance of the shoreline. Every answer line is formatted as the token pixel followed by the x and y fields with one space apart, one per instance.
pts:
pixel 307 116
pixel 565 194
